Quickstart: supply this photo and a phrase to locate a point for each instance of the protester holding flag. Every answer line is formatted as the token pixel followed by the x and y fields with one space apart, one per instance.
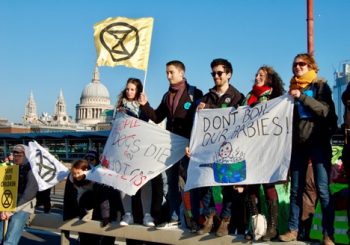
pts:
pixel 178 107
pixel 27 189
pixel 268 85
pixel 314 122
pixel 222 95
pixel 128 103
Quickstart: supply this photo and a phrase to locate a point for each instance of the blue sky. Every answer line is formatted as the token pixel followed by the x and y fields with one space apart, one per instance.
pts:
pixel 48 45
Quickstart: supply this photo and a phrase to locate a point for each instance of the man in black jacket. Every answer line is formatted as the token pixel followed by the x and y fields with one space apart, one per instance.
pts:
pixel 222 95
pixel 178 107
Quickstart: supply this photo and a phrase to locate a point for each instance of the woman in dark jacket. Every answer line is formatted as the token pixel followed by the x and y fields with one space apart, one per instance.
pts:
pixel 313 124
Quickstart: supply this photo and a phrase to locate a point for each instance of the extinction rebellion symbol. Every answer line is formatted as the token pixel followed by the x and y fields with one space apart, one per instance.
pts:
pixel 47 169
pixel 7 199
pixel 121 40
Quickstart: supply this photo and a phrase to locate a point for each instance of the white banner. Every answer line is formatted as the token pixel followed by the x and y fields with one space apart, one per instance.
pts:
pixel 136 152
pixel 47 170
pixel 244 146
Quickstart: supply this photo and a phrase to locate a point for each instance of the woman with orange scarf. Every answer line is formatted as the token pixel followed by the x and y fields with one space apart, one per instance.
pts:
pixel 313 123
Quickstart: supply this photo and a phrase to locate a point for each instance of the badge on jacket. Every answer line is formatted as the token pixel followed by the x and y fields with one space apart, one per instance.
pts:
pixel 187 105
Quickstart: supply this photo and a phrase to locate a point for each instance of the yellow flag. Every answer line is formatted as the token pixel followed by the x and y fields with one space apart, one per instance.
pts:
pixel 123 41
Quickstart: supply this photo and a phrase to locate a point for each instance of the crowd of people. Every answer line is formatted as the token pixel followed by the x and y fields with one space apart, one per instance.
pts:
pixel 162 203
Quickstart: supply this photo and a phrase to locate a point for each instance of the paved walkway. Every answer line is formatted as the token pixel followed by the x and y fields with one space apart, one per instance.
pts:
pixel 33 236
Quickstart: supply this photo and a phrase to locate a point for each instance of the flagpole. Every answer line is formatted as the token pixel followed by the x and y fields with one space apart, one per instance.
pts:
pixel 144 80
pixel 149 54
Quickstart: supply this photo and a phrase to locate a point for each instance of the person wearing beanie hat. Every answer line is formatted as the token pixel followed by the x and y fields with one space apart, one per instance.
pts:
pixel 92 157
pixel 27 189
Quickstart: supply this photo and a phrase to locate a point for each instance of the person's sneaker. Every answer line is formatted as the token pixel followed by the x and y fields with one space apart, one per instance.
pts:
pixel 194 227
pixel 173 224
pixel 327 240
pixel 174 217
pixel 248 236
pixel 128 219
pixel 289 236
pixel 148 220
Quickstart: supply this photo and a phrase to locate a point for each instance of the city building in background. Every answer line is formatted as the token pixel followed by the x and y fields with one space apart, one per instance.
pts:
pixel 94 103
pixel 59 121
pixel 94 112
pixel 342 79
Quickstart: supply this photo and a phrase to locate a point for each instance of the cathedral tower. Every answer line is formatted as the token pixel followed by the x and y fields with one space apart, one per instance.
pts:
pixel 94 101
pixel 30 114
pixel 60 116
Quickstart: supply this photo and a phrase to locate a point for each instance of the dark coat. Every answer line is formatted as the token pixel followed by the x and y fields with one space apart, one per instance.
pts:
pixel 323 123
pixel 346 101
pixel 104 200
pixel 181 121
pixel 232 98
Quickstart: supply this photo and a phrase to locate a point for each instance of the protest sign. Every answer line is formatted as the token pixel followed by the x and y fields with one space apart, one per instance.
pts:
pixel 245 146
pixel 136 152
pixel 8 187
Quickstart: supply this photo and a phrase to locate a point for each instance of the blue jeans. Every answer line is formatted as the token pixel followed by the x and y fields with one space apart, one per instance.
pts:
pixel 209 205
pixel 320 156
pixel 15 228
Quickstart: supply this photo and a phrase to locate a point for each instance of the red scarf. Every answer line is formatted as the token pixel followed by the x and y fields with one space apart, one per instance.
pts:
pixel 256 93
pixel 175 93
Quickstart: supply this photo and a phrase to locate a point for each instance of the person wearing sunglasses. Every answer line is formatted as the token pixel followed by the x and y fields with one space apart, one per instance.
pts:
pixel 268 85
pixel 222 95
pixel 27 189
pixel 314 122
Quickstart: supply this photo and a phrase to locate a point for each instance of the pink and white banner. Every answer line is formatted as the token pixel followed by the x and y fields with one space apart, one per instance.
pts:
pixel 136 152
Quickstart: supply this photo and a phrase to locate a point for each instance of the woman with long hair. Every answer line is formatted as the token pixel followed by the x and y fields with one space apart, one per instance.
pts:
pixel 268 85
